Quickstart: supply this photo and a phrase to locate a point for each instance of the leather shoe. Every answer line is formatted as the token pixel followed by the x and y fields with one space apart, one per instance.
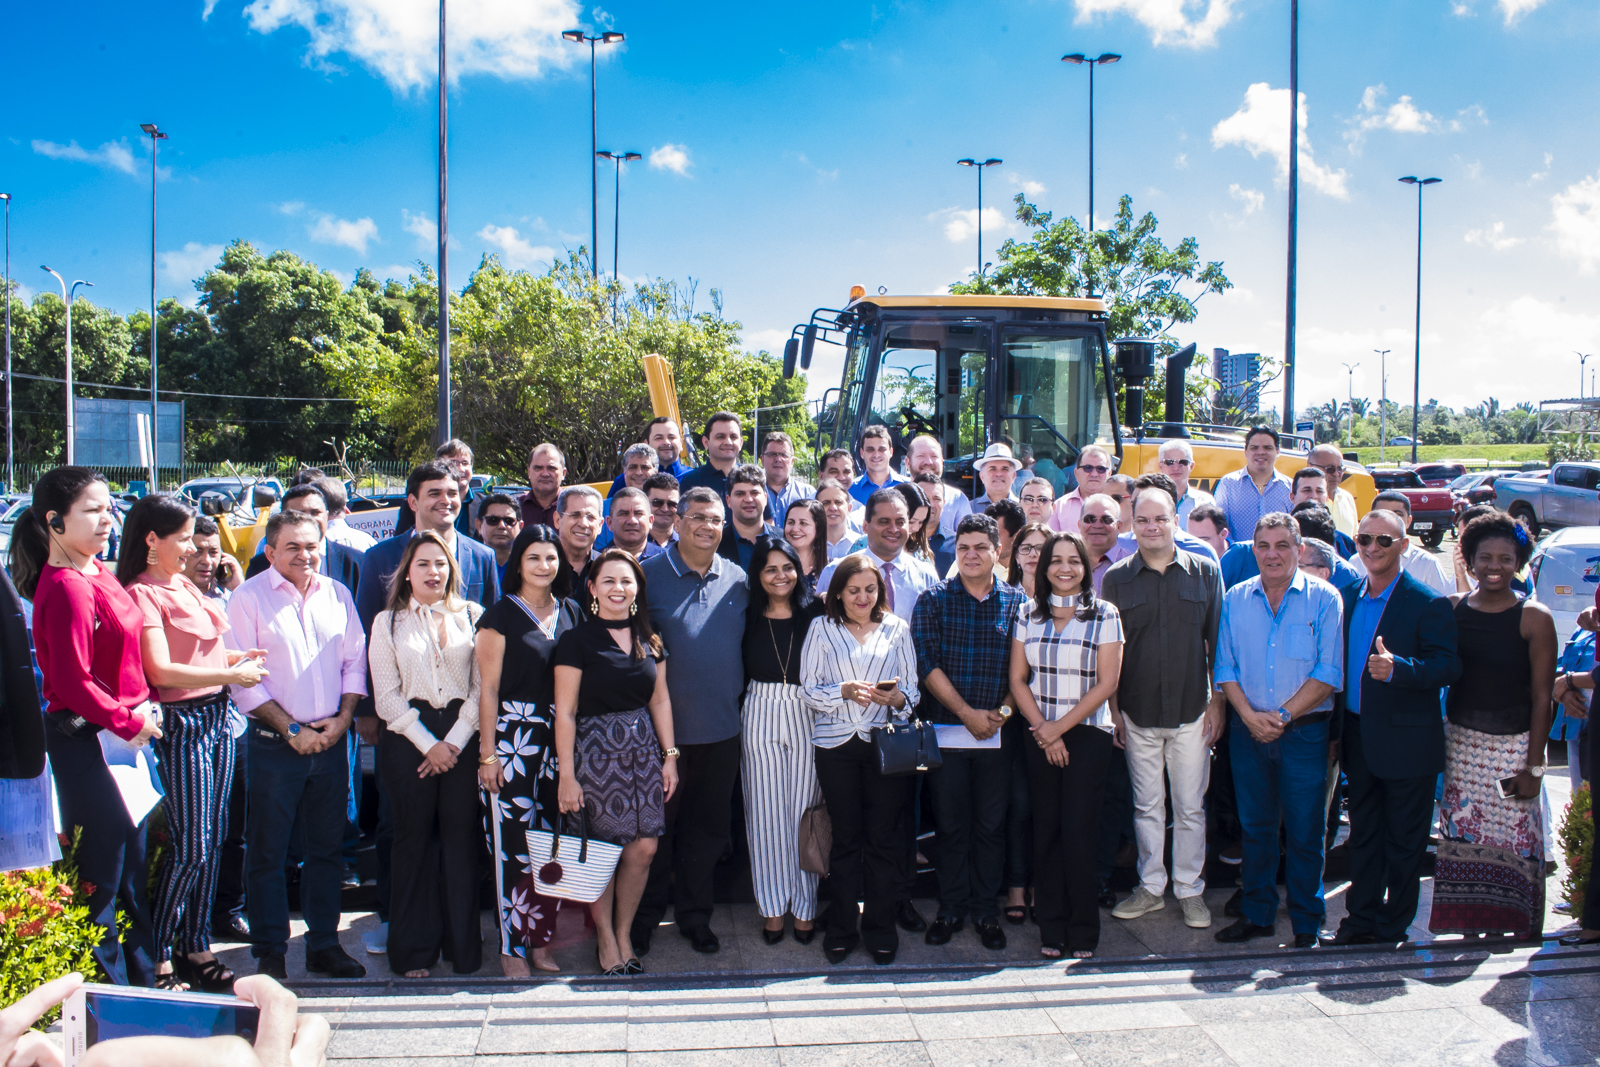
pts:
pixel 230 928
pixel 1307 940
pixel 701 939
pixel 883 956
pixel 942 931
pixel 334 962
pixel 273 966
pixel 1108 896
pixel 909 918
pixel 990 933
pixel 639 937
pixel 1234 908
pixel 1349 937
pixel 1243 930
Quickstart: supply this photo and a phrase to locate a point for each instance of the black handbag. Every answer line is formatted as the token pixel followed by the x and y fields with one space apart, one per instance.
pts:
pixel 906 748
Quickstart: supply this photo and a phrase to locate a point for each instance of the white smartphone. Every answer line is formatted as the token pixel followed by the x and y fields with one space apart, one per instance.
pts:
pixel 98 1013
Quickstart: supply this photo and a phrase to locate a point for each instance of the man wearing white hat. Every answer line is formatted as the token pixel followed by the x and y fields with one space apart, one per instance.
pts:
pixel 997 470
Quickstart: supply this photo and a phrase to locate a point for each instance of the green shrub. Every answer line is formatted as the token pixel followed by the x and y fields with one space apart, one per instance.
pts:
pixel 1577 841
pixel 45 930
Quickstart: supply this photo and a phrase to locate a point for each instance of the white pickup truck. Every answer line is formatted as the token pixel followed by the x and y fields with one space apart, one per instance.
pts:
pixel 1566 495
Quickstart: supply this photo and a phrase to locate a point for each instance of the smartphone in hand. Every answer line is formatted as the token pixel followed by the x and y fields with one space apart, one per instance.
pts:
pixel 98 1013
pixel 887 687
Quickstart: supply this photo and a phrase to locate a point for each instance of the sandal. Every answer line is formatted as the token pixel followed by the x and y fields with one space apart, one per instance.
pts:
pixel 212 976
pixel 1016 914
pixel 1052 950
pixel 633 966
pixel 170 981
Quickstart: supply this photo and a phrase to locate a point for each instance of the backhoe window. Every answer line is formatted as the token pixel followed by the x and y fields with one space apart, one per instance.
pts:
pixel 1054 402
pixel 930 380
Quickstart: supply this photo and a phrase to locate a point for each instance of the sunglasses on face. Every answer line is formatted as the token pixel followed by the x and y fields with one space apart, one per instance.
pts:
pixel 1096 470
pixel 1176 462
pixel 1384 540
pixel 499 520
pixel 1103 520
pixel 663 505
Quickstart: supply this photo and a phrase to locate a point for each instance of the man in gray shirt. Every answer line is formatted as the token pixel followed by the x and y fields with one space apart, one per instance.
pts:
pixel 697 604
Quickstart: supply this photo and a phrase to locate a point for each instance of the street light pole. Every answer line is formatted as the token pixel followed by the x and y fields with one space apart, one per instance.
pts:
pixel 1350 410
pixel 68 296
pixel 11 459
pixel 1582 359
pixel 1076 59
pixel 445 431
pixel 609 37
pixel 156 137
pixel 1383 400
pixel 1416 376
pixel 979 167
pixel 1291 280
pixel 616 212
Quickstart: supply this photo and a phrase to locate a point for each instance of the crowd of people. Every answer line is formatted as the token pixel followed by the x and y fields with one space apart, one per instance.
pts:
pixel 1134 655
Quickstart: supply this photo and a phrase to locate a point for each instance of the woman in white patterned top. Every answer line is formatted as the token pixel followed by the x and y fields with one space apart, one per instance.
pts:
pixel 1064 667
pixel 857 668
pixel 425 686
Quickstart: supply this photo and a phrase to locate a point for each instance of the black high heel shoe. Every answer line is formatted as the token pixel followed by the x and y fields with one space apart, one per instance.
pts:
pixel 805 936
pixel 772 937
pixel 883 956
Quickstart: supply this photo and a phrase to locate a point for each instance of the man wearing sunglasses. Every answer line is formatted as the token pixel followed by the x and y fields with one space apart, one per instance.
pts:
pixel 1176 461
pixel 1415 560
pixel 1330 461
pixel 1094 467
pixel 499 522
pixel 1258 489
pixel 1098 528
pixel 662 490
pixel 1400 652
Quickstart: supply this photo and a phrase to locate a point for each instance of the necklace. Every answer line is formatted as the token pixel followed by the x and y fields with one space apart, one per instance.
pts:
pixel 783 662
pixel 1061 601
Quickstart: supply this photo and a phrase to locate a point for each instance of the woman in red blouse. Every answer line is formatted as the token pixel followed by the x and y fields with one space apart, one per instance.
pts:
pixel 86 633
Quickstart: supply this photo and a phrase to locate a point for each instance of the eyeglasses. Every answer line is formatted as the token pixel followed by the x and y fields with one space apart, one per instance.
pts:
pixel 663 505
pixel 1102 520
pixel 1384 540
pixel 1177 462
pixel 1035 498
pixel 1097 470
pixel 777 455
pixel 499 520
pixel 1118 497
pixel 1029 550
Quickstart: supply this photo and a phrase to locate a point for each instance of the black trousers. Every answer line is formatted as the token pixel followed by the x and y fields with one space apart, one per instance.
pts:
pixel 1389 822
pixel 865 862
pixel 906 829
pixel 699 819
pixel 1116 813
pixel 970 793
pixel 1019 804
pixel 433 904
pixel 229 901
pixel 1066 837
pixel 110 854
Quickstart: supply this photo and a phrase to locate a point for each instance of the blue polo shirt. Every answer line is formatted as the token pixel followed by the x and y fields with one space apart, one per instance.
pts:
pixel 701 621
pixel 1364 619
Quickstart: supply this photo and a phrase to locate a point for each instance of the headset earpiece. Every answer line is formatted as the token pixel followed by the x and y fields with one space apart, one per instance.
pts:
pixel 58 524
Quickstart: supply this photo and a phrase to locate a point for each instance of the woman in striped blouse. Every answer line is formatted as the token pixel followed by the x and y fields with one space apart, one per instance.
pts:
pixel 857 668
pixel 1065 662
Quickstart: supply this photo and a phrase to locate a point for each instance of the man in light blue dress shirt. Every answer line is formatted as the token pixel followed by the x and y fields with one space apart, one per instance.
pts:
pixel 1280 659
pixel 1255 490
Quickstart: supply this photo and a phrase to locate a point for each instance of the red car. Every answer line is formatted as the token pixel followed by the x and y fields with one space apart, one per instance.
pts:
pixel 1438 475
pixel 1433 511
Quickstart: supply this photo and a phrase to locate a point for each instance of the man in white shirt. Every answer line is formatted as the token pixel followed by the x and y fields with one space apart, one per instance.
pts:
pixel 997 470
pixel 925 455
pixel 1330 461
pixel 1095 466
pixel 842 530
pixel 1416 561
pixel 888 524
pixel 1176 460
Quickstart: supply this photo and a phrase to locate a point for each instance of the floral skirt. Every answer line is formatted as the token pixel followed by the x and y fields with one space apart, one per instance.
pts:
pixel 1489 877
pixel 525 743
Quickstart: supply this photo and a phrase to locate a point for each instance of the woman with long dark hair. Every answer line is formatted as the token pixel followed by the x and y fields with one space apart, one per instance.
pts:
pixel 1065 662
pixel 425 686
pixel 779 773
pixel 86 631
pixel 917 510
pixel 805 527
pixel 516 649
pixel 614 740
pixel 187 664
pixel 1024 562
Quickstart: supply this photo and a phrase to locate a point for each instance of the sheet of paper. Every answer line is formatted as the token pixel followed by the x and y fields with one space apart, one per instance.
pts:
pixel 134 772
pixel 28 823
pixel 960 737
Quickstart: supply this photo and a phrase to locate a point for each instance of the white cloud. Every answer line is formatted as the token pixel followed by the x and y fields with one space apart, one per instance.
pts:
pixel 961 224
pixel 191 261
pixel 399 39
pixel 291 207
pixel 1515 9
pixel 1493 237
pixel 766 340
pixel 211 5
pixel 516 253
pixel 114 154
pixel 1181 161
pixel 1402 116
pixel 673 157
pixel 1462 9
pixel 1543 174
pixel 1252 199
pixel 1575 221
pixel 397 271
pixel 1186 23
pixel 1262 125
pixel 1028 186
pixel 330 230
pixel 824 175
pixel 420 226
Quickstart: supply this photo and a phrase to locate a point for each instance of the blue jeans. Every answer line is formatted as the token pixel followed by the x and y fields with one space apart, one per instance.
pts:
pixel 281 784
pixel 1286 779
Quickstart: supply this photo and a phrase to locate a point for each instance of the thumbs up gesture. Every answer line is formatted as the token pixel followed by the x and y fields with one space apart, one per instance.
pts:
pixel 1381 663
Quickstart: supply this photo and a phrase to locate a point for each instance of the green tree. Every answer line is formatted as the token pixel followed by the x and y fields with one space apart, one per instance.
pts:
pixel 101 353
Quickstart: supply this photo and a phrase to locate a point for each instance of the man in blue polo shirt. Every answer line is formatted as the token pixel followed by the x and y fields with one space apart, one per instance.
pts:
pixel 877 453
pixel 723 440
pixel 698 601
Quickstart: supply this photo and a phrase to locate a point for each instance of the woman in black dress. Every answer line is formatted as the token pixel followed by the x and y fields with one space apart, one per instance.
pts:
pixel 515 648
pixel 618 764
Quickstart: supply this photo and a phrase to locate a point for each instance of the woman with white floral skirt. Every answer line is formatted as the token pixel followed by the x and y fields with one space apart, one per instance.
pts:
pixel 516 764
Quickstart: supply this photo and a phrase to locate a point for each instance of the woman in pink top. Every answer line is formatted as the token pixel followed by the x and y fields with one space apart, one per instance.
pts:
pixel 86 635
pixel 190 670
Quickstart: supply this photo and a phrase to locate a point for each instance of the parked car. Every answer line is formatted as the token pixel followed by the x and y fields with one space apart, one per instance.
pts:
pixel 219 496
pixel 1439 475
pixel 1569 495
pixel 1433 512
pixel 1565 571
pixel 1400 440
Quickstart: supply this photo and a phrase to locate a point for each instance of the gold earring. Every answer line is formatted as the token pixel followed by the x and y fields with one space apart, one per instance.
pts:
pixel 595 608
pixel 150 558
pixel 633 609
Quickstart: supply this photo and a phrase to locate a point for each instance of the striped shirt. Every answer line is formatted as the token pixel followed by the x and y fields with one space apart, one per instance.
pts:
pixel 832 656
pixel 1065 662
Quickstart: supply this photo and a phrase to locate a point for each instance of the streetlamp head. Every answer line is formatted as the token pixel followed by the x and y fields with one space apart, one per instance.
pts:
pixel 1107 57
pixel 5 196
pixel 1431 181
pixel 990 162
pixel 1075 58
pixel 610 37
pixel 572 35
pixel 150 128
pixel 604 155
pixel 629 157
pixel 966 162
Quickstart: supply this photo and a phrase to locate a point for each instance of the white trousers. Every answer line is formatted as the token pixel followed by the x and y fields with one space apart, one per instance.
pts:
pixel 780 783
pixel 1154 757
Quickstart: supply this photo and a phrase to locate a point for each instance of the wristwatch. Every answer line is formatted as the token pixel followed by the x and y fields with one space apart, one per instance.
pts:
pixel 294 729
pixel 1537 770
pixel 1284 716
pixel 673 752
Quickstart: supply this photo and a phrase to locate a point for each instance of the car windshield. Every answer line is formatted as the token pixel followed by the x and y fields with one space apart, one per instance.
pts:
pixel 1398 480
pixel 1466 481
pixel 10 516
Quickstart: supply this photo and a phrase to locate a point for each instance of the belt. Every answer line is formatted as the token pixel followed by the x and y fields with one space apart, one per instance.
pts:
pixel 198 702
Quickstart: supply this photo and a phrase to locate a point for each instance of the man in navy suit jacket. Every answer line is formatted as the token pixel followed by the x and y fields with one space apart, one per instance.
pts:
pixel 1400 652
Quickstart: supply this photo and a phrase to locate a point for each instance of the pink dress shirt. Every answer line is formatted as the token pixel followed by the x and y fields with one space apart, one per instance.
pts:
pixel 316 651
pixel 1069 509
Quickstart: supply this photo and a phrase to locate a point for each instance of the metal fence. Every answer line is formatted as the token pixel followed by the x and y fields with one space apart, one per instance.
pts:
pixel 372 475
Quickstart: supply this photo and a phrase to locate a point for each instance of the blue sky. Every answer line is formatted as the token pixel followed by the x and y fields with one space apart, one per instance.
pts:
pixel 794 150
